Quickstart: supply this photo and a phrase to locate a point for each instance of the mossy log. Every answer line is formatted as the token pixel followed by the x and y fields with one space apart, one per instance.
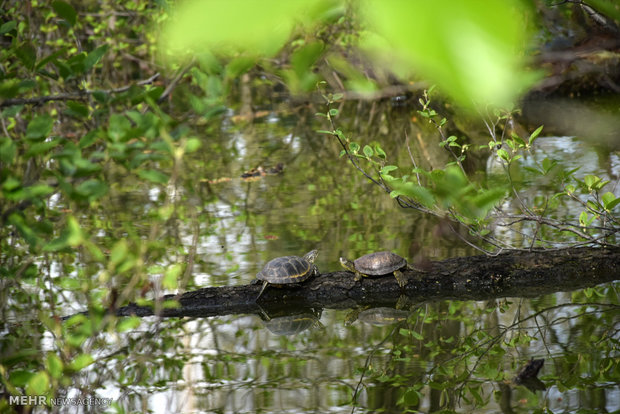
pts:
pixel 510 274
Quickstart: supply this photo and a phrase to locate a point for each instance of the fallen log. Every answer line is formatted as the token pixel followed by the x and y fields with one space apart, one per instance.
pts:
pixel 510 274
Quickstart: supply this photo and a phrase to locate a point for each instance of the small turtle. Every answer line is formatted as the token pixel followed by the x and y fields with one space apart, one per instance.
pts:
pixel 288 269
pixel 378 264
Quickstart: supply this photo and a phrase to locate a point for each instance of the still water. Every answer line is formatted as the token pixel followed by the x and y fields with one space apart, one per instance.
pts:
pixel 443 355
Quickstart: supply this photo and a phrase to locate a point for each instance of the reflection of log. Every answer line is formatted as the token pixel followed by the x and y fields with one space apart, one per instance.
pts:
pixel 470 278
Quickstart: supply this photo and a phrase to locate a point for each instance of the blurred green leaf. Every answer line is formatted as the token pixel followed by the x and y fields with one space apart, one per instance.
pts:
pixel 610 200
pixel 128 324
pixel 93 57
pixel 38 384
pixel 472 49
pixel 81 361
pixel 154 176
pixel 65 11
pixel 8 150
pixel 170 279
pixel 7 27
pixel 27 54
pixel 258 28
pixel 40 127
pixel 118 127
pixel 54 365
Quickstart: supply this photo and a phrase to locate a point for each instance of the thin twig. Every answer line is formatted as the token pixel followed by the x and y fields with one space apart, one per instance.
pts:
pixel 72 96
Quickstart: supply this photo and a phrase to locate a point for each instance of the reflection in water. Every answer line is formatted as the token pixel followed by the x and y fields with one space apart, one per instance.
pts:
pixel 449 355
pixel 463 356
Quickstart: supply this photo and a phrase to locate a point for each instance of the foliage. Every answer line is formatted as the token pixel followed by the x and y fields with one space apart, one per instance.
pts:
pixel 450 192
pixel 99 161
pixel 458 365
pixel 477 57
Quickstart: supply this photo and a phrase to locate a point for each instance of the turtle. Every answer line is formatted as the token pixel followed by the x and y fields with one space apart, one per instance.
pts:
pixel 287 270
pixel 378 264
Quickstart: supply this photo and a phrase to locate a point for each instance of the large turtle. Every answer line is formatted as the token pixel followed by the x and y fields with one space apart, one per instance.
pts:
pixel 377 264
pixel 288 269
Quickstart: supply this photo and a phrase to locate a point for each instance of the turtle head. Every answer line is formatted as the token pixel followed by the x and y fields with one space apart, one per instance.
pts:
pixel 347 264
pixel 311 255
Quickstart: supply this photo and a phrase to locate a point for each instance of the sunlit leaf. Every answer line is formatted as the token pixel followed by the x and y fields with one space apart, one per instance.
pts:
pixel 38 384
pixel 81 361
pixel 226 27
pixel 54 365
pixel 471 49
pixel 127 324
pixel 171 277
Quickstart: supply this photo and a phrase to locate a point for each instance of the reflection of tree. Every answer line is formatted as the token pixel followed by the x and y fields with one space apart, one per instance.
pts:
pixel 469 353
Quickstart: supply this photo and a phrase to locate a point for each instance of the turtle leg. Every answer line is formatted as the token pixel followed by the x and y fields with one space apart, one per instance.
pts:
pixel 265 283
pixel 400 278
pixel 358 276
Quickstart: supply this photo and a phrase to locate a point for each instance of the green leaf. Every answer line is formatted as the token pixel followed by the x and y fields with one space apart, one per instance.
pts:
pixel 333 112
pixel 38 384
pixel 24 229
pixel 20 377
pixel 368 151
pixel 388 169
pixel 119 252
pixel 305 57
pixel 354 147
pixel 27 54
pixel 65 11
pixel 154 176
pixel 232 28
pixel 474 50
pixel 127 324
pixel 93 57
pixel 171 277
pixel 76 110
pixel 192 145
pixel 92 189
pixel 39 128
pixel 8 150
pixel 535 134
pixel 503 154
pixel 39 148
pixel 380 153
pixel 418 193
pixel 7 27
pixel 118 127
pixel 239 66
pixel 548 164
pixel 610 201
pixel 81 361
pixel 54 365
pixel 591 180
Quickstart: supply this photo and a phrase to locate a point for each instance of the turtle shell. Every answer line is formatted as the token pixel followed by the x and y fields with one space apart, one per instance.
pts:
pixel 379 263
pixel 287 269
